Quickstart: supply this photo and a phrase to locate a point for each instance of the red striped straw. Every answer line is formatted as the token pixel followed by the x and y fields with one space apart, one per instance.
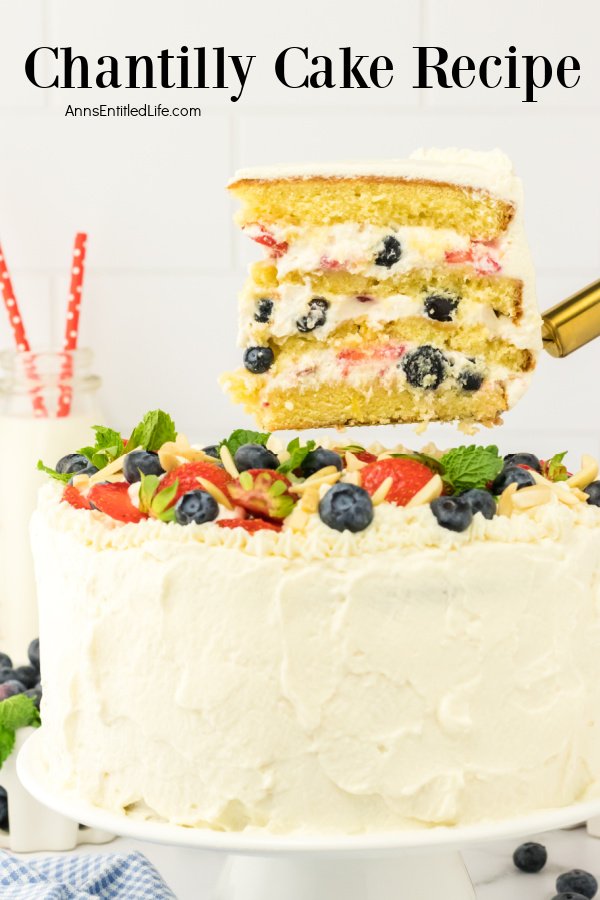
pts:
pixel 16 322
pixel 72 324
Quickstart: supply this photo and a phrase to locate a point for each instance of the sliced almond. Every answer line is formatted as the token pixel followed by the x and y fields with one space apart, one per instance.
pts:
pixel 433 489
pixel 81 482
pixel 352 478
pixel 567 496
pixel 587 473
pixel 309 501
pixel 539 479
pixel 298 519
pixel 228 463
pixel 382 491
pixel 353 463
pixel 321 473
pixel 581 495
pixel 214 492
pixel 505 503
pixel 311 482
pixel 534 495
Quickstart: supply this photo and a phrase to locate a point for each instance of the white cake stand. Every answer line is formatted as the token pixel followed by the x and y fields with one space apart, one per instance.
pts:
pixel 404 865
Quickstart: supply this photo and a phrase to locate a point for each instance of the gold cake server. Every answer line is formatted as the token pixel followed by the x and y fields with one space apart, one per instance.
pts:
pixel 573 322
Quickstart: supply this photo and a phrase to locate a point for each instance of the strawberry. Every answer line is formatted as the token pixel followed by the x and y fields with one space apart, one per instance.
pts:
pixel 262 492
pixel 479 254
pixel 112 498
pixel 249 525
pixel 408 477
pixel 277 248
pixel 362 455
pixel 187 477
pixel 75 498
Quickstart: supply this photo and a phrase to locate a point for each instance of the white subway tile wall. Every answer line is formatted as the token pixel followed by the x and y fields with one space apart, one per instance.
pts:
pixel 164 260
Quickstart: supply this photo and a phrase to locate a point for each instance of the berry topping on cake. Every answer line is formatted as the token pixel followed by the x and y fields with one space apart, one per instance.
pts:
pixel 318 459
pixel 264 308
pixel 75 498
pixel 212 450
pixel 254 456
pixel 480 501
pixel 72 463
pixel 189 475
pixel 316 316
pixel 578 881
pixel 264 237
pixel 593 492
pixel 196 506
pixel 139 463
pixel 453 513
pixel 263 492
pixel 470 379
pixel 113 500
pixel 258 359
pixel 528 460
pixel 512 475
pixel 425 367
pixel 389 253
pixel 346 507
pixel 530 857
pixel 440 307
pixel 407 477
pixel 249 525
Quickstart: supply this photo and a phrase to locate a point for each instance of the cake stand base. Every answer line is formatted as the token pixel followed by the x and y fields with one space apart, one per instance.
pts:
pixel 407 877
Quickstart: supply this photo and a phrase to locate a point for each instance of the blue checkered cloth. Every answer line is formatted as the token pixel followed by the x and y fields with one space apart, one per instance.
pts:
pixel 110 876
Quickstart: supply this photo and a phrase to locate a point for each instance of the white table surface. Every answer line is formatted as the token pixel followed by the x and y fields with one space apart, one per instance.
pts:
pixel 192 874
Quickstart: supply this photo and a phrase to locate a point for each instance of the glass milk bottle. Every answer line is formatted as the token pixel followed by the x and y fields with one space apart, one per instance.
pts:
pixel 33 388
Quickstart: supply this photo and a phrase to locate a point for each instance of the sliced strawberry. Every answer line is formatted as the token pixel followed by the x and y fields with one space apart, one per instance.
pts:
pixel 480 255
pixel 249 525
pixel 408 477
pixel 264 237
pixel 113 500
pixel 263 492
pixel 331 264
pixel 362 455
pixel 75 498
pixel 187 477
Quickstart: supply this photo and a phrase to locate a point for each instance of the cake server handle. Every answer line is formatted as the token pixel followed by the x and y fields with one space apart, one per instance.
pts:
pixel 573 322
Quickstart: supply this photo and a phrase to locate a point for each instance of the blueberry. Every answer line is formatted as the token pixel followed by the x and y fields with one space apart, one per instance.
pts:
pixel 593 492
pixel 196 506
pixel 6 674
pixel 72 463
pixel 390 252
pixel 346 507
pixel 318 459
pixel 89 470
pixel 33 653
pixel 470 380
pixel 141 462
pixel 27 675
pixel 258 359
pixel 264 308
pixel 212 450
pixel 254 456
pixel 10 688
pixel 425 367
pixel 3 810
pixel 480 501
pixel 35 694
pixel 440 308
pixel 452 513
pixel 569 895
pixel 316 316
pixel 530 857
pixel 524 459
pixel 577 881
pixel 512 475
pixel 5 661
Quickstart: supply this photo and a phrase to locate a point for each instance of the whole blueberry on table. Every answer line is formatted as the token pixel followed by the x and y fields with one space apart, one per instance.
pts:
pixel 569 895
pixel 480 501
pixel 27 675
pixel 389 253
pixel 440 307
pixel 530 857
pixel 33 653
pixel 254 456
pixel 212 450
pixel 141 462
pixel 258 359
pixel 318 459
pixel 196 506
pixel 593 492
pixel 11 688
pixel 578 881
pixel 35 694
pixel 346 507
pixel 523 459
pixel 452 513
pixel 3 810
pixel 72 463
pixel 512 475
pixel 5 661
pixel 425 367
pixel 6 675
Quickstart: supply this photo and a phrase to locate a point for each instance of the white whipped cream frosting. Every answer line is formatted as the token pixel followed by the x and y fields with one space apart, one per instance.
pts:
pixel 401 677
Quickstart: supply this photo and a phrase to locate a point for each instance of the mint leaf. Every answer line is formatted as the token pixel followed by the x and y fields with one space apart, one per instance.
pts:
pixel 108 447
pixel 297 453
pixel 430 461
pixel 59 476
pixel 240 436
pixel 16 712
pixel 155 429
pixel 156 502
pixel 554 469
pixel 465 468
pixel 352 448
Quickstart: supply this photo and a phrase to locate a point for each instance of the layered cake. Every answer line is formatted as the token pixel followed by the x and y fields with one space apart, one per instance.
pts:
pixel 390 292
pixel 318 638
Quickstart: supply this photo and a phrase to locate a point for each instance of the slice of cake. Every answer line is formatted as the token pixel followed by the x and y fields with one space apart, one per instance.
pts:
pixel 316 638
pixel 392 292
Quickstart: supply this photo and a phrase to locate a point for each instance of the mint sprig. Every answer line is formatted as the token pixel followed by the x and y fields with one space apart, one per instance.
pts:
pixel 465 468
pixel 554 469
pixel 298 454
pixel 16 712
pixel 241 436
pixel 108 447
pixel 156 502
pixel 155 429
pixel 63 477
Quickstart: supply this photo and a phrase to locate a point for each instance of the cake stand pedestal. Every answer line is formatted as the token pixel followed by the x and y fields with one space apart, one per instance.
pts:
pixel 404 865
